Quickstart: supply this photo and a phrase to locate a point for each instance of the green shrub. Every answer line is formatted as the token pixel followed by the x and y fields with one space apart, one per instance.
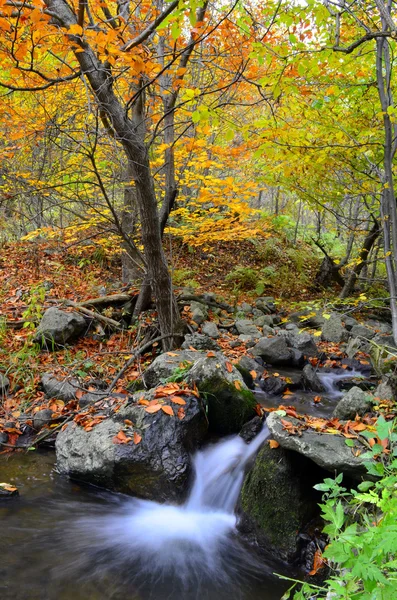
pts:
pixel 244 278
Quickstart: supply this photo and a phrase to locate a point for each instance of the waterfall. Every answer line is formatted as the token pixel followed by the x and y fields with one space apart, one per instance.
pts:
pixel 330 380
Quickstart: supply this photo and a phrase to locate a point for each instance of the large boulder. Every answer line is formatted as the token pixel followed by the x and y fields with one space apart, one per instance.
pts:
pixel 310 379
pixel 277 501
pixel 303 342
pixel 355 402
pixel 156 467
pixel 326 450
pixel 169 364
pixel 229 402
pixel 58 327
pixel 273 351
pixel 333 329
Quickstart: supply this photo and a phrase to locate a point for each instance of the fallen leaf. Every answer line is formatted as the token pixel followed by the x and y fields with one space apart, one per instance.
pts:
pixel 229 366
pixel 317 399
pixel 121 438
pixel 181 413
pixel 177 400
pixel 79 394
pixel 211 354
pixel 168 410
pixel 273 444
pixel 137 438
pixel 318 562
pixel 237 384
pixel 128 422
pixel 153 409
pixel 253 374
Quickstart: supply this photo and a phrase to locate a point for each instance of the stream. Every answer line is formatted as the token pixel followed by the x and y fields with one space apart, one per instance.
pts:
pixel 63 541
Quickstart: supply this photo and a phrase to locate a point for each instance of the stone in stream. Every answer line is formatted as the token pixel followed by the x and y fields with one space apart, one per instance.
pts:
pixel 310 379
pixel 277 501
pixel 157 467
pixel 7 490
pixel 169 364
pixel 275 386
pixel 303 342
pixel 355 402
pixel 273 351
pixel 58 327
pixel 328 451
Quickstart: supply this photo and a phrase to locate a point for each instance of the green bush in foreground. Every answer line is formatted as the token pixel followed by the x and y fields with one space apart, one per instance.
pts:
pixel 362 529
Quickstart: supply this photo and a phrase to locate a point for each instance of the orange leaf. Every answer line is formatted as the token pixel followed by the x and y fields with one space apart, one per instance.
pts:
pixel 143 401
pixel 181 413
pixel 168 410
pixel 318 562
pixel 177 400
pixel 229 366
pixel 237 384
pixel 128 422
pixel 137 438
pixel 273 444
pixel 79 393
pixel 253 374
pixel 317 399
pixel 121 438
pixel 153 409
pixel 211 354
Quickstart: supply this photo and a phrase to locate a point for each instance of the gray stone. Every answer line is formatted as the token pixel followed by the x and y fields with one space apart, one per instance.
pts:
pixel 328 451
pixel 4 385
pixel 355 402
pixel 274 351
pixel 310 379
pixel 349 322
pixel 199 313
pixel 229 401
pixel 92 397
pixel 246 327
pixel 267 330
pixel 58 327
pixel 250 364
pixel 63 390
pixel 275 386
pixel 251 429
pixel 257 313
pixel 379 326
pixel 262 305
pixel 41 418
pixel 276 501
pixel 167 364
pixel 246 308
pixel 260 321
pixel 355 345
pixel 248 340
pixel 385 340
pixel 292 327
pixel 303 342
pixel 384 391
pixel 209 328
pixel 362 331
pixel 156 468
pixel 199 342
pixel 309 317
pixel 333 330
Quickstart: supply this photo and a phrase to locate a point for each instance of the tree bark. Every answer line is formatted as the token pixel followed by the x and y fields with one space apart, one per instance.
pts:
pixel 369 241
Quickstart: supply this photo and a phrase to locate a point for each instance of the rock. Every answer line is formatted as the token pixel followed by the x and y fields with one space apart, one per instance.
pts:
pixel 273 351
pixel 362 331
pixel 3 438
pixel 349 322
pixel 257 313
pixel 158 467
pixel 229 401
pixel 248 340
pixel 309 317
pixel 328 451
pixel 63 390
pixel 384 391
pixel 379 326
pixel 199 342
pixel 292 327
pixel 246 327
pixel 263 306
pixel 249 364
pixel 92 397
pixel 199 312
pixel 41 418
pixel 355 402
pixel 276 501
pixel 4 385
pixel 274 386
pixel 58 327
pixel 303 342
pixel 297 358
pixel 251 429
pixel 267 330
pixel 246 308
pixel 260 321
pixel 310 379
pixel 169 364
pixel 210 329
pixel 333 330
pixel 355 345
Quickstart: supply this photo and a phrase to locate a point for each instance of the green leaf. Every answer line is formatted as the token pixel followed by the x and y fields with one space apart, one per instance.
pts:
pixel 365 485
pixel 349 443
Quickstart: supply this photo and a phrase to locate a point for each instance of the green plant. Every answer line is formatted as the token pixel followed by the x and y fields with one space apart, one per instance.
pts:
pixel 34 310
pixel 179 276
pixel 362 528
pixel 243 278
pixel 179 373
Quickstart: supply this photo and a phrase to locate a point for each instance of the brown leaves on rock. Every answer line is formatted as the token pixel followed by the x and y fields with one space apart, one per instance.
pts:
pixel 273 444
pixel 121 438
pixel 318 562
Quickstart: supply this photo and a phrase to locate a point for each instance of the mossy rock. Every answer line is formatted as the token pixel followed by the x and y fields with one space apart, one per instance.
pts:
pixel 277 500
pixel 229 402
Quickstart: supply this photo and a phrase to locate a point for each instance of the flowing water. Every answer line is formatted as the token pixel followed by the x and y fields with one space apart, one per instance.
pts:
pixel 60 541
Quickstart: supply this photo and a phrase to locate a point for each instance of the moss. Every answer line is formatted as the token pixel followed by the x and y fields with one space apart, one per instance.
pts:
pixel 246 375
pixel 228 408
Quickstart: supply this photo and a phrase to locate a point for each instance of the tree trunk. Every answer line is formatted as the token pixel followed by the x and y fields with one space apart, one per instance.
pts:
pixel 369 241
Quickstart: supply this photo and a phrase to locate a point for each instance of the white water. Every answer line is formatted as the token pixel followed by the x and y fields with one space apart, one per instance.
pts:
pixel 191 543
pixel 329 381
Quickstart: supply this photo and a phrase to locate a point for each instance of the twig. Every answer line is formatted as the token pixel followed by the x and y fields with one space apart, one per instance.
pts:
pixel 134 356
pixel 107 300
pixel 90 313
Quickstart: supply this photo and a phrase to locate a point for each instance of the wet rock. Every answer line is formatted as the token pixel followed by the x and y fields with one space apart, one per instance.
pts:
pixel 333 330
pixel 246 327
pixel 355 402
pixel 41 418
pixel 169 364
pixel 328 451
pixel 4 385
pixel 303 342
pixel 58 327
pixel 273 351
pixel 3 438
pixel 199 342
pixel 7 490
pixel 157 468
pixel 297 358
pixel 210 329
pixel 251 429
pixel 63 390
pixel 276 501
pixel 229 402
pixel 275 386
pixel 310 379
pixel 362 383
pixel 362 331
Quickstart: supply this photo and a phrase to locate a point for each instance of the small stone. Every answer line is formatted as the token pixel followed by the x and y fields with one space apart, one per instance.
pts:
pixel 59 327
pixel 362 331
pixel 355 402
pixel 273 351
pixel 246 308
pixel 246 327
pixel 7 490
pixel 209 328
pixel 41 418
pixel 349 322
pixel 198 341
pixel 384 391
pixel 333 330
pixel 310 379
